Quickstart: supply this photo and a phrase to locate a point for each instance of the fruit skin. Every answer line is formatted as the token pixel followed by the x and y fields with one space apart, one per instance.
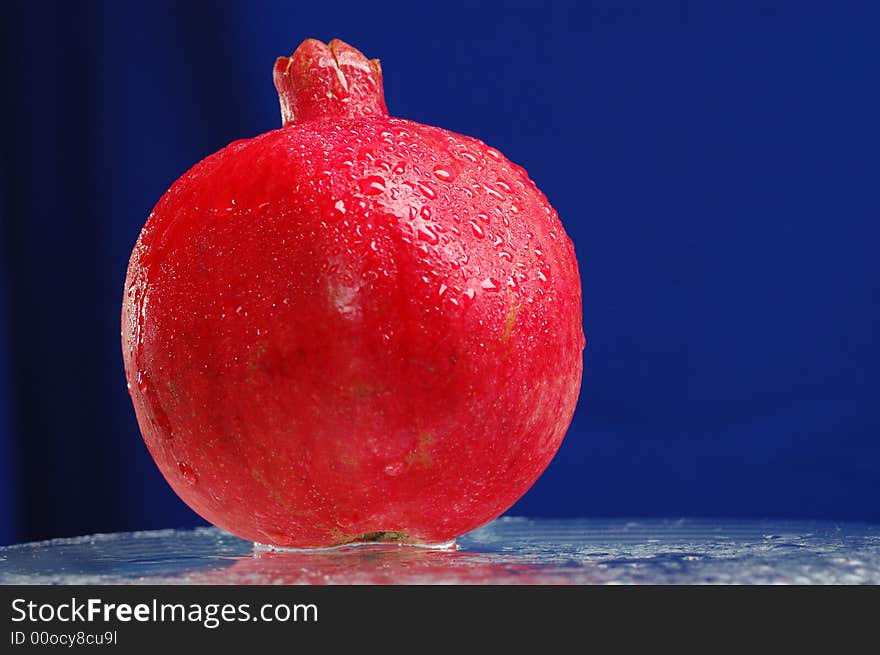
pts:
pixel 352 328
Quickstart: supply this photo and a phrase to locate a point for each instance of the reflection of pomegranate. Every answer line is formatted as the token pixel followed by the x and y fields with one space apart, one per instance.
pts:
pixel 381 564
pixel 354 327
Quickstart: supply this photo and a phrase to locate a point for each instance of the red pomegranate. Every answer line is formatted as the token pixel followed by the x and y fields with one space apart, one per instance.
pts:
pixel 354 327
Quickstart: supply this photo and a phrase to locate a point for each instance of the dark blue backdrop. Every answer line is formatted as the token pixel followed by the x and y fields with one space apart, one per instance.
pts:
pixel 716 165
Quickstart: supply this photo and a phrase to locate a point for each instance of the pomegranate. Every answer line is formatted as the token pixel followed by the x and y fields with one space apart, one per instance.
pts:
pixel 354 327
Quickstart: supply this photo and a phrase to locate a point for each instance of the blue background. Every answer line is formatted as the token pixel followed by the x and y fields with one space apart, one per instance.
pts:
pixel 716 165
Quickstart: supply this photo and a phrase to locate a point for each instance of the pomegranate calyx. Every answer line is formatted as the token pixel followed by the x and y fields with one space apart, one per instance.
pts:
pixel 328 81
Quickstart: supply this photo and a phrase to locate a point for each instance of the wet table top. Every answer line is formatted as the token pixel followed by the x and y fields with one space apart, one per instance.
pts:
pixel 511 550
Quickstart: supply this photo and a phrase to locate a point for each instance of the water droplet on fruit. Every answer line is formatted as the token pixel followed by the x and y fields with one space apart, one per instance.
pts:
pixel 427 191
pixel 426 212
pixel 494 154
pixel 505 255
pixel 470 293
pixel 427 234
pixel 372 185
pixel 478 231
pixel 142 380
pixel 484 217
pixel 466 154
pixel 187 472
pixel 493 192
pixel 489 284
pixel 543 278
pixel 503 185
pixel 442 290
pixel 394 469
pixel 443 175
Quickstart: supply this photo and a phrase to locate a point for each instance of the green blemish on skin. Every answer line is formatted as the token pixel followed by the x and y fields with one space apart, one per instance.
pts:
pixel 509 322
pixel 421 455
pixel 343 457
pixel 270 488
pixel 256 356
pixel 365 390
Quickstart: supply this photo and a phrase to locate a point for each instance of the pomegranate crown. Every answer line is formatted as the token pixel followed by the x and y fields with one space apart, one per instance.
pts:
pixel 328 81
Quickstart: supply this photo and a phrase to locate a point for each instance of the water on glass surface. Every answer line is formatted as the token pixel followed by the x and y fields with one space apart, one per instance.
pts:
pixel 510 550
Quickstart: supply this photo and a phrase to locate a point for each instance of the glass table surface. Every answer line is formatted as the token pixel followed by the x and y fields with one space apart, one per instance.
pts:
pixel 510 550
